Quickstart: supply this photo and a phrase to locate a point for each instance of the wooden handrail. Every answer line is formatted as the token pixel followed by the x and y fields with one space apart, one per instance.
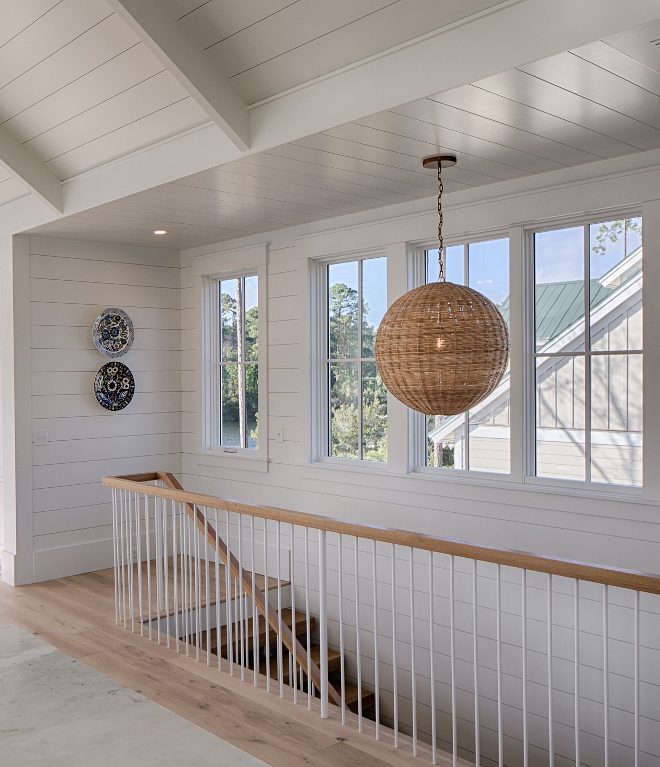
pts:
pixel 609 576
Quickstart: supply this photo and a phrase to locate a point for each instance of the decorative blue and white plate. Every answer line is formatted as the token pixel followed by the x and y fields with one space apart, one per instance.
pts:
pixel 113 332
pixel 114 386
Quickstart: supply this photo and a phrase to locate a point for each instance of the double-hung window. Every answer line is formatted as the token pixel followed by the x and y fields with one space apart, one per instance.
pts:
pixel 587 352
pixel 478 440
pixel 355 302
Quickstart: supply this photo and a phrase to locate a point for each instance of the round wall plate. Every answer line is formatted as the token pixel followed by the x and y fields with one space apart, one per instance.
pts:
pixel 114 386
pixel 443 160
pixel 113 332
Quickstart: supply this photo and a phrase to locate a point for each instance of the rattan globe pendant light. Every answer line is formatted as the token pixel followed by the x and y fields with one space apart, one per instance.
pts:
pixel 442 348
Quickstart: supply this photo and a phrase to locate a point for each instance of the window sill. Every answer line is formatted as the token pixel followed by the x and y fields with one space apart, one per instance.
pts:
pixel 350 465
pixel 238 461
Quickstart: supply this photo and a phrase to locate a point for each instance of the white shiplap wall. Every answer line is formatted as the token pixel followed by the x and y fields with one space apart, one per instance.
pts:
pixel 70 283
pixel 614 530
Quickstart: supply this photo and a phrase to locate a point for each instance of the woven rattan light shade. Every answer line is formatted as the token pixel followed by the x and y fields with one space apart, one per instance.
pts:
pixel 442 348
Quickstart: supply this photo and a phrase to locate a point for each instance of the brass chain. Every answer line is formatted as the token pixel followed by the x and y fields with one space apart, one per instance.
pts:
pixel 441 259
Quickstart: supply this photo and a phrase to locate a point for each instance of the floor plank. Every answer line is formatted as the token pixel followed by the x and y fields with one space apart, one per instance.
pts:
pixel 76 615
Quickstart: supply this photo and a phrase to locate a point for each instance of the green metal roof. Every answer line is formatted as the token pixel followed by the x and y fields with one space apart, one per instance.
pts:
pixel 559 305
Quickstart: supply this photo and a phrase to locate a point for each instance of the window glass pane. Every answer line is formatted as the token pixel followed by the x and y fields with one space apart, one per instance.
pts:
pixel 559 292
pixel 343 310
pixel 489 444
pixel 231 421
pixel 374 414
pixel 445 441
pixel 616 419
pixel 344 410
pixel 454 265
pixel 615 267
pixel 251 318
pixel 229 290
pixel 252 405
pixel 374 300
pixel 560 421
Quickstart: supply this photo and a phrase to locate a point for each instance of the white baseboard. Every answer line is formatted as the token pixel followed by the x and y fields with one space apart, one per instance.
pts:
pixel 72 560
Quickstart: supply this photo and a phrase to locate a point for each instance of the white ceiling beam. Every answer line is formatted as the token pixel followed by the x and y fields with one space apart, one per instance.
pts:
pixel 175 48
pixel 34 175
pixel 509 35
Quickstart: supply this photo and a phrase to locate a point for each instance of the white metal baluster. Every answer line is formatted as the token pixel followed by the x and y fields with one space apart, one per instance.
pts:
pixel 341 628
pixel 280 663
pixel 636 641
pixel 293 674
pixel 434 745
pixel 237 626
pixel 147 537
pixel 255 614
pixel 184 576
pixel 175 568
pixel 524 670
pixel 376 666
pixel 217 591
pixel 138 537
pixel 228 615
pixel 412 650
pixel 500 726
pixel 129 526
pixel 357 633
pixel 576 611
pixel 267 603
pixel 166 570
pixel 551 742
pixel 159 571
pixel 208 586
pixel 243 658
pixel 198 586
pixel 395 673
pixel 475 651
pixel 606 676
pixel 121 556
pixel 191 582
pixel 310 686
pixel 323 629
pixel 194 596
pixel 114 552
pixel 454 727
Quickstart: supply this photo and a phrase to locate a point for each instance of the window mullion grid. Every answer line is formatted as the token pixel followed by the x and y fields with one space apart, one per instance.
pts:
pixel 466 417
pixel 359 356
pixel 587 357
pixel 216 430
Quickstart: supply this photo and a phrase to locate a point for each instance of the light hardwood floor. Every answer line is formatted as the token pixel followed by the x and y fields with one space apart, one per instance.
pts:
pixel 76 615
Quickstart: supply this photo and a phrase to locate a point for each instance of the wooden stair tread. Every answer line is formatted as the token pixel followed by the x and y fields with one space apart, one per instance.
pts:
pixel 301 626
pixel 351 697
pixel 334 663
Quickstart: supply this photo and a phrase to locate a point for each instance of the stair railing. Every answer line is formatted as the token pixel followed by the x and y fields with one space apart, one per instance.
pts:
pixel 486 626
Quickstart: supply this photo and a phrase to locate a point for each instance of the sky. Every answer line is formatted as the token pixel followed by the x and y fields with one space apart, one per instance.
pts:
pixel 559 253
pixel 488 267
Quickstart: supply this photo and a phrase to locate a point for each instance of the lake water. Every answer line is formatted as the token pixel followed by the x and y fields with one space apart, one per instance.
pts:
pixel 231 434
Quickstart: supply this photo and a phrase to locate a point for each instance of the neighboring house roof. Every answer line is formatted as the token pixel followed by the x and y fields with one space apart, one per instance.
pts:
pixel 561 322
pixel 560 304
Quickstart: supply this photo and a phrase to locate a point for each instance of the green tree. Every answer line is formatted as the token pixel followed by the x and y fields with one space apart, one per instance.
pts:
pixel 344 317
pixel 612 230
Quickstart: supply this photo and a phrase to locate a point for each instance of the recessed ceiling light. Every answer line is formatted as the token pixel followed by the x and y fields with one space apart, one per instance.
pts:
pixel 160 231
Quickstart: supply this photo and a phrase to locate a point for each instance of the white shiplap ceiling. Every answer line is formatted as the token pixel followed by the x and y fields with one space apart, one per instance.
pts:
pixel 599 101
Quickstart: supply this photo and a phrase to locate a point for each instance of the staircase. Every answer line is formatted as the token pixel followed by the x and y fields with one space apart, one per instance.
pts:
pixel 270 650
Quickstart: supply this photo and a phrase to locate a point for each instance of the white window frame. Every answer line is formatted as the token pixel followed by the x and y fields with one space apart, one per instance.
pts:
pixel 320 399
pixel 417 421
pixel 529 282
pixel 209 271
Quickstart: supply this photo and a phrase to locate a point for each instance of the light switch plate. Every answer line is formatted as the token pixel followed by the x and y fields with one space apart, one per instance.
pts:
pixel 40 437
pixel 279 434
